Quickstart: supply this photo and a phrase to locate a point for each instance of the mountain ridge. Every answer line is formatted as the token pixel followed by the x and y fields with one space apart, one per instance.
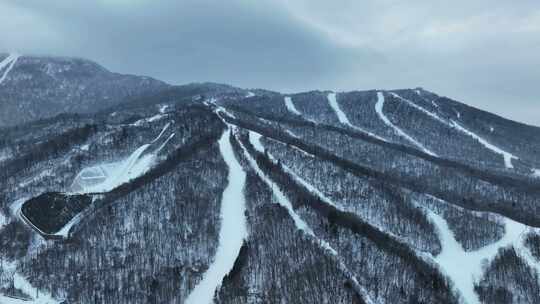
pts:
pixel 377 196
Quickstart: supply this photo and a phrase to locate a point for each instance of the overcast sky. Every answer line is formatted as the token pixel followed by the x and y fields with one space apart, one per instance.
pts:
pixel 481 52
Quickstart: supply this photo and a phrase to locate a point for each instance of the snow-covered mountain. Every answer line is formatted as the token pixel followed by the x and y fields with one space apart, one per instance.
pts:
pixel 209 193
pixel 33 88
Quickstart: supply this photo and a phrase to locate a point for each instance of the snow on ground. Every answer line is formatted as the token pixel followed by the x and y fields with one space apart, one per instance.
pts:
pixel 104 178
pixel 20 282
pixel 7 64
pixel 465 268
pixel 163 108
pixel 4 155
pixel 291 133
pixel 3 220
pixel 255 140
pixel 379 109
pixel 290 106
pixel 342 117
pixel 412 104
pixel 233 230
pixel 40 176
pixel 335 106
pixel 15 207
pixel 156 117
pixel 506 155
pixel 280 196
pixel 224 111
pixel 536 173
pixel 250 94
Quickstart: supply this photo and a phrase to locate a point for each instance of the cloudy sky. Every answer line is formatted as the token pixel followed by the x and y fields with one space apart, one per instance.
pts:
pixel 482 52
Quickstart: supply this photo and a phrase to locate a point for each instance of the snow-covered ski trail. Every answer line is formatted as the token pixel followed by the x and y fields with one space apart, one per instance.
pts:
pixel 453 124
pixel 233 230
pixel 379 109
pixel 342 117
pixel 8 64
pixel 412 104
pixel 290 106
pixel 466 268
pixel 506 155
pixel 255 140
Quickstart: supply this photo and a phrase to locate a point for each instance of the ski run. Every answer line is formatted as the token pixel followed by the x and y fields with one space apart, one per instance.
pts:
pixel 233 227
pixel 506 155
pixel 379 109
pixel 464 268
pixel 290 106
pixel 255 140
pixel 453 124
pixel 342 117
pixel 7 64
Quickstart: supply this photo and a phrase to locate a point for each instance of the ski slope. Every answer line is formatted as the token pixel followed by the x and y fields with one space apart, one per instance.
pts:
pixel 255 140
pixel 453 124
pixel 290 106
pixel 506 155
pixel 466 268
pixel 342 117
pixel 233 227
pixel 7 64
pixel 379 109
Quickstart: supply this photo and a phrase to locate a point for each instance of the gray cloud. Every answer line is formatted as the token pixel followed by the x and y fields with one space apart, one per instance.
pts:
pixel 479 52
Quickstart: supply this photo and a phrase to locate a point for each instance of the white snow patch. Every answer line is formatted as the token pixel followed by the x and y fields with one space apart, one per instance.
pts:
pixel 224 111
pixel 163 108
pixel 156 117
pixel 291 133
pixel 379 109
pixel 536 173
pixel 506 155
pixel 491 129
pixel 3 220
pixel 250 94
pixel 465 268
pixel 342 117
pixel 290 106
pixel 103 178
pixel 233 227
pixel 8 64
